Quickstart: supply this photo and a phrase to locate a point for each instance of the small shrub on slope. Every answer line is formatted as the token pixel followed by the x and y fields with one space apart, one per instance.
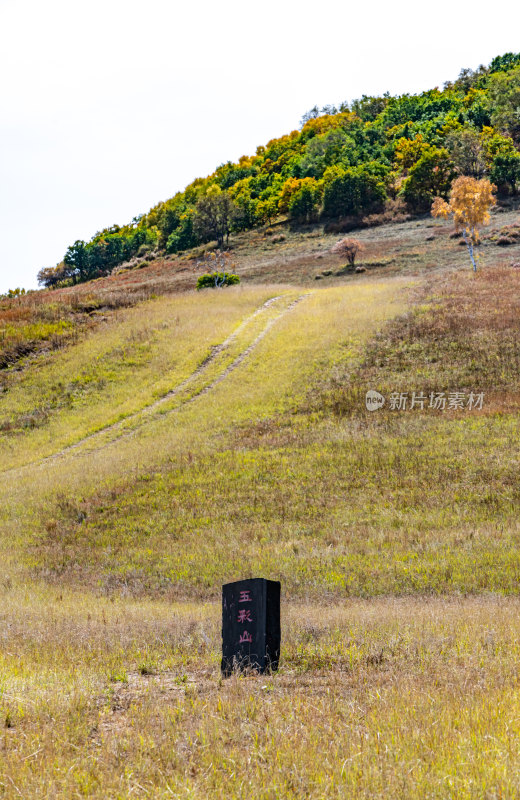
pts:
pixel 216 280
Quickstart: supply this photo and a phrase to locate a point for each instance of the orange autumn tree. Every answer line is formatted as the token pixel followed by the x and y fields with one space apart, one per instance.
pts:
pixel 469 205
pixel 349 248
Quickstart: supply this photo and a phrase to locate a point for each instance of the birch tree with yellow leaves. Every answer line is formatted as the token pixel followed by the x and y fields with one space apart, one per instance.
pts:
pixel 469 206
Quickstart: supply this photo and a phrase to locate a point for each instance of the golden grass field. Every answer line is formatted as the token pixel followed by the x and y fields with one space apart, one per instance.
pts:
pixel 190 439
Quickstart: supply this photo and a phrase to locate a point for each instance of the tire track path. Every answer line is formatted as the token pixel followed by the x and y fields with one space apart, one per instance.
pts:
pixel 148 413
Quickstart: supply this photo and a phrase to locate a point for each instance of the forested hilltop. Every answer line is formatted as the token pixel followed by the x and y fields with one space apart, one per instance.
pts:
pixel 375 158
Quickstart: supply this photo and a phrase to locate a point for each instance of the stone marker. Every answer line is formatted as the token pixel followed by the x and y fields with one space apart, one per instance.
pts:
pixel 250 625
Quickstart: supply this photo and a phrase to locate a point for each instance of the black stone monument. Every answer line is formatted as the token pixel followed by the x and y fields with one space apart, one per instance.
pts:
pixel 250 625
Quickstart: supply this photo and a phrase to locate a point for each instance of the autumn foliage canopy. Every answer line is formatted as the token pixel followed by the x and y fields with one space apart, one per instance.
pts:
pixel 469 205
pixel 343 164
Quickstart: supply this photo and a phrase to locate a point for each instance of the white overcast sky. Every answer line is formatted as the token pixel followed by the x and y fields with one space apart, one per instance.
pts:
pixel 109 106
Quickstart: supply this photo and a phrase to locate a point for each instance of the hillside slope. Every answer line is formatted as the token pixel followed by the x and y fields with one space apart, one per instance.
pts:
pixel 41 322
pixel 180 441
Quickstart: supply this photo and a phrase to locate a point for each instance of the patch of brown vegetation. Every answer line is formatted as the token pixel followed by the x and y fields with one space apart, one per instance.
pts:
pixel 463 335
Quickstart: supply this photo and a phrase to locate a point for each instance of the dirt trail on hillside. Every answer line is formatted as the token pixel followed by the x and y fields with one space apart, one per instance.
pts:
pixel 146 415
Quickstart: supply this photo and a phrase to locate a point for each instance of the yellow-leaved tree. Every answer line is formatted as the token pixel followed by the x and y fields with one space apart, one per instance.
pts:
pixel 469 205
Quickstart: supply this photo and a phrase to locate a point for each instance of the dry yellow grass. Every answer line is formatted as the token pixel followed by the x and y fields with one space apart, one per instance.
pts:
pixel 390 698
pixel 128 362
pixel 107 694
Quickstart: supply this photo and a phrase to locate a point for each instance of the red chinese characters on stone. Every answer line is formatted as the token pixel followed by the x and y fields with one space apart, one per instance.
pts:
pixel 244 615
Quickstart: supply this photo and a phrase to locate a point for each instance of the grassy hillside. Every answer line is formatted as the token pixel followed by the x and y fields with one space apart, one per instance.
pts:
pixel 176 439
pixel 47 320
